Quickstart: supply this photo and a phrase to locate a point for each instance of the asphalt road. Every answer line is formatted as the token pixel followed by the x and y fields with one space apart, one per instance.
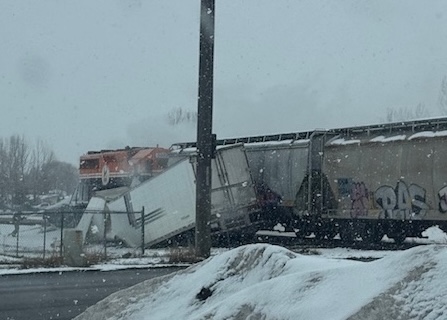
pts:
pixel 64 295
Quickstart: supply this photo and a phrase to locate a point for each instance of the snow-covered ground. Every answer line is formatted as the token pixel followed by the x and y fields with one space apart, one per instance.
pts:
pixel 31 245
pixel 153 258
pixel 30 240
pixel 263 281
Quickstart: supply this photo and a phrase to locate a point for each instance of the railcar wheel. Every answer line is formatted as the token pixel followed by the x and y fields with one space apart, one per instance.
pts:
pixel 303 229
pixel 319 234
pixel 325 231
pixel 331 234
pixel 372 234
pixel 377 237
pixel 399 238
pixel 346 235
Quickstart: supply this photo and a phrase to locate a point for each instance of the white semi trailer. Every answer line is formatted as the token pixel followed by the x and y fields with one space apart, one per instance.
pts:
pixel 169 202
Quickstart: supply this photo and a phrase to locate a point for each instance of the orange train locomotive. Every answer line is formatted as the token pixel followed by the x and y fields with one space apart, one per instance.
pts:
pixel 105 169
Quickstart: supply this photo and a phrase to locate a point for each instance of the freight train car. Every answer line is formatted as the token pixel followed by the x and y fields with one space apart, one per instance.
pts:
pixel 278 169
pixel 279 165
pixel 379 180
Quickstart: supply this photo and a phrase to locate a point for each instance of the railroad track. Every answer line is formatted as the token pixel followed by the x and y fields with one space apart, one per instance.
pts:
pixel 303 244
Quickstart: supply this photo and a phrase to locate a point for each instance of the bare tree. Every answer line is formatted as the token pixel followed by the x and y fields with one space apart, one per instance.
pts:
pixel 24 171
pixel 16 167
pixel 421 111
pixel 442 99
pixel 4 161
pixel 404 113
pixel 178 115
pixel 61 176
pixel 40 156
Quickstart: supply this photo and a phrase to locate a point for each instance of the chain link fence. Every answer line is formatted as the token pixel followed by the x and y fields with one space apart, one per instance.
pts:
pixel 41 234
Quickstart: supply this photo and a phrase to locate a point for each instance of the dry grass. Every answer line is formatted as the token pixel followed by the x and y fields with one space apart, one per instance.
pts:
pixel 94 257
pixel 183 255
pixel 55 260
pixel 51 261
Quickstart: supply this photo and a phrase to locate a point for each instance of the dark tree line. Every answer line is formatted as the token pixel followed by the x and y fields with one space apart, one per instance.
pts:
pixel 29 171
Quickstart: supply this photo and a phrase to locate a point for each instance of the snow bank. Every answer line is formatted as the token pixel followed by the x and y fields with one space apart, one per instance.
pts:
pixel 435 234
pixel 269 282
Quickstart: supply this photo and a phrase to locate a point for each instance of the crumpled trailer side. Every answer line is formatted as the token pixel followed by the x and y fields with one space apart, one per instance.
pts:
pixel 169 200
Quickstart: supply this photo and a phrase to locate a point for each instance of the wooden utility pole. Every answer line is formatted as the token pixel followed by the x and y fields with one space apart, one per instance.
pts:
pixel 204 130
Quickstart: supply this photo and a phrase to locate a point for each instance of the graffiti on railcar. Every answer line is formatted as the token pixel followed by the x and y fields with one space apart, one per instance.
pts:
pixel 359 200
pixel 402 202
pixel 442 194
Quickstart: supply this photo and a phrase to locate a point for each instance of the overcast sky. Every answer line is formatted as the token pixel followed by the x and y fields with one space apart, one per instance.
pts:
pixel 88 75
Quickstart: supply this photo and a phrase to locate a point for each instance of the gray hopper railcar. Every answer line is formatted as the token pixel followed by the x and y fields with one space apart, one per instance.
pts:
pixel 377 180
